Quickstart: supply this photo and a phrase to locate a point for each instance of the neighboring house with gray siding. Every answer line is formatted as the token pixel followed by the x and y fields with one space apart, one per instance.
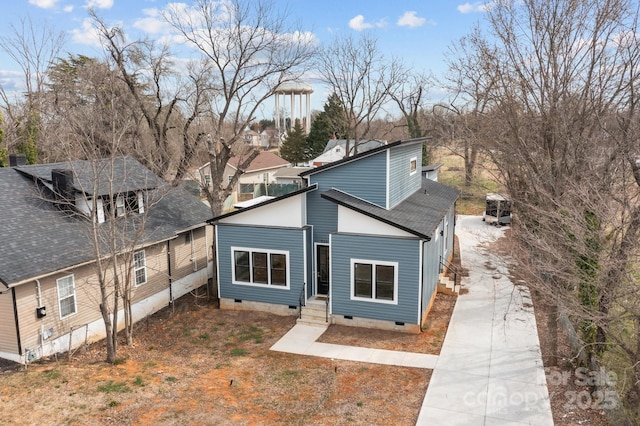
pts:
pixel 368 235
pixel 49 294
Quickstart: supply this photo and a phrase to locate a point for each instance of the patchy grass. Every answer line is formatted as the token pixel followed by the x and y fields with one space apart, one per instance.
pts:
pixel 472 198
pixel 170 377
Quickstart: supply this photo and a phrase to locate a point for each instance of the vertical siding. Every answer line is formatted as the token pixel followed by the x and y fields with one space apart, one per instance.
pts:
pixel 404 251
pixel 288 239
pixel 401 182
pixel 364 178
pixel 8 338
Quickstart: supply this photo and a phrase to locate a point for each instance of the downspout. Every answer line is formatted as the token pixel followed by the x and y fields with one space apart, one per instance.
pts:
pixel 169 272
pixel 39 296
pixel 15 315
pixel 39 290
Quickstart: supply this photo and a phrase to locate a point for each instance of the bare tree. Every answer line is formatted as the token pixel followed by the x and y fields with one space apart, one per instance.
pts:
pixel 168 105
pixel 249 52
pixel 409 97
pixel 361 78
pixel 33 46
pixel 463 124
pixel 564 84
pixel 99 130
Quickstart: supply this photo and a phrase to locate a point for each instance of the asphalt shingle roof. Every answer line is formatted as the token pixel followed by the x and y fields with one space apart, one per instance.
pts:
pixel 38 238
pixel 419 214
pixel 128 175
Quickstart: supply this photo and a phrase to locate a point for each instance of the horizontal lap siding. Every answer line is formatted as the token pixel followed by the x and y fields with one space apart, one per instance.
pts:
pixel 87 310
pixel 187 258
pixel 8 338
pixel 365 178
pixel 291 240
pixel 310 262
pixel 87 297
pixel 404 251
pixel 430 271
pixel 157 273
pixel 450 233
pixel 401 182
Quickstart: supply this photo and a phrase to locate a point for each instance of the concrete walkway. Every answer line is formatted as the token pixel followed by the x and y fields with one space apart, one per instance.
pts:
pixel 301 339
pixel 489 371
pixel 490 368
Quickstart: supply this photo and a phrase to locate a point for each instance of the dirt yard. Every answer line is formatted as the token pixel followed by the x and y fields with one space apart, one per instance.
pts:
pixel 201 365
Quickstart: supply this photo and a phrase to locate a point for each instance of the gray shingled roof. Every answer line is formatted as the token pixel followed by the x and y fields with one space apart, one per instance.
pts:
pixel 419 214
pixel 38 238
pixel 128 175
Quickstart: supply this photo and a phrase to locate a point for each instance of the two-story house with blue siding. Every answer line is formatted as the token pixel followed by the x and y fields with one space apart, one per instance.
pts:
pixel 367 236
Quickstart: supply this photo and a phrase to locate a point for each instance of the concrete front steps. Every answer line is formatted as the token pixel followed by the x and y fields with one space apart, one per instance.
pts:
pixel 447 286
pixel 314 313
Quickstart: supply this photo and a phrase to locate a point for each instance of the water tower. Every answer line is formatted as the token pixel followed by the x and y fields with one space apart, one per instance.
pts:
pixel 295 90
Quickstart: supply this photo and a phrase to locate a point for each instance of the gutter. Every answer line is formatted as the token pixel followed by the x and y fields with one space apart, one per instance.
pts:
pixel 78 265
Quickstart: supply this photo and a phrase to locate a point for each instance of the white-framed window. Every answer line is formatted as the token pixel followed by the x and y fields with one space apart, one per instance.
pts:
pixel 66 296
pixel 413 165
pixel 260 267
pixel 140 267
pixel 374 281
pixel 120 209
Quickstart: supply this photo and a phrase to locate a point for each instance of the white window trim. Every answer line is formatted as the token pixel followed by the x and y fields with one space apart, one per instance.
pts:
pixel 135 269
pixel 75 299
pixel 373 264
pixel 411 173
pixel 269 253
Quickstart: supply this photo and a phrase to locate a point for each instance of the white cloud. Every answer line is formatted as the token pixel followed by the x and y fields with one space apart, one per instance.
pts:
pixel 153 22
pixel 478 6
pixel 88 34
pixel 409 19
pixel 45 4
pixel 68 8
pixel 357 23
pixel 99 4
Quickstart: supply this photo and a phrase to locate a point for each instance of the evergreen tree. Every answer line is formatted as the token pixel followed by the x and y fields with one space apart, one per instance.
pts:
pixel 331 121
pixel 294 148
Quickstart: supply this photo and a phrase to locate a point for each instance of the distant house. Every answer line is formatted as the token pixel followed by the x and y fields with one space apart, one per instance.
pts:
pixel 251 137
pixel 362 243
pixel 336 150
pixel 259 172
pixel 48 284
pixel 290 175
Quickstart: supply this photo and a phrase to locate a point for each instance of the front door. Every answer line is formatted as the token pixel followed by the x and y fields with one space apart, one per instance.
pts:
pixel 322 269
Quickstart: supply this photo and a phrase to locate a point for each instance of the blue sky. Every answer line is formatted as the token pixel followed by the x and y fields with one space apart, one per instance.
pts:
pixel 416 31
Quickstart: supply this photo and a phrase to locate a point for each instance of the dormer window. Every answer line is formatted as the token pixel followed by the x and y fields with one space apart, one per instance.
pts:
pixel 123 204
pixel 119 205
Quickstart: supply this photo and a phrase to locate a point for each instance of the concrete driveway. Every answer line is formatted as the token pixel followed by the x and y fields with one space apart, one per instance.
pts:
pixel 490 369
